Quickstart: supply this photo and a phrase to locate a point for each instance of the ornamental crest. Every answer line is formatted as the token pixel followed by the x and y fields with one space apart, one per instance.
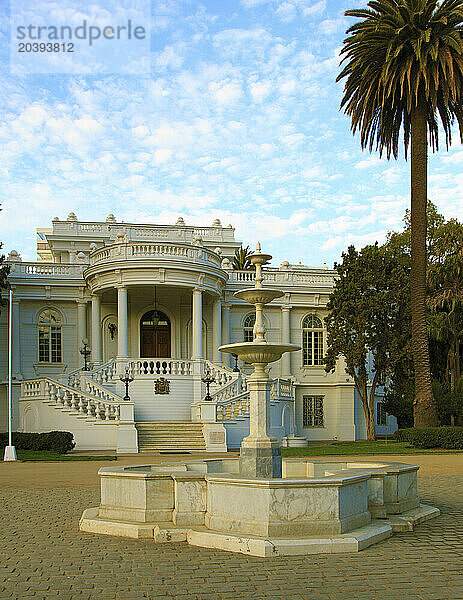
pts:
pixel 161 386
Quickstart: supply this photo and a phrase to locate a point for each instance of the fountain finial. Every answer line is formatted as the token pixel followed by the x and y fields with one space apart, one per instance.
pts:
pixel 258 248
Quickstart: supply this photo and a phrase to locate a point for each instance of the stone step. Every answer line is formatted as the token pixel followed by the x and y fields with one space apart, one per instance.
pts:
pixel 173 436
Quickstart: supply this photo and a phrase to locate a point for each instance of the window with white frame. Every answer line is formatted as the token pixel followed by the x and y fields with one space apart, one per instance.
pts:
pixel 313 411
pixel 50 339
pixel 312 341
pixel 248 327
pixel 381 414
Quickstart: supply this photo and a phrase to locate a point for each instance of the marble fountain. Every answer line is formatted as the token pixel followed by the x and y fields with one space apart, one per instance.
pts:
pixel 259 504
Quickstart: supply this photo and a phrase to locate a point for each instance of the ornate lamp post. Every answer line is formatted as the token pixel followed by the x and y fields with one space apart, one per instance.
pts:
pixel 85 351
pixel 235 368
pixel 126 380
pixel 207 379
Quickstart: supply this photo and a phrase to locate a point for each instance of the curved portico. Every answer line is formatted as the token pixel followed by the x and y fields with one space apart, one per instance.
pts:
pixel 183 282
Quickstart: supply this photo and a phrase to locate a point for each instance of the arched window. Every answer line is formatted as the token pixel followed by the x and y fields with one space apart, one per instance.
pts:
pixel 312 341
pixel 50 339
pixel 248 327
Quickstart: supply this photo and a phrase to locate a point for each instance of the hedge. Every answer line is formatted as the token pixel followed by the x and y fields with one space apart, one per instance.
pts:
pixel 450 438
pixel 58 441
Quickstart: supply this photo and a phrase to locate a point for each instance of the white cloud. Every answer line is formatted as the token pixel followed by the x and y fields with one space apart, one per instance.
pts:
pixel 260 90
pixel 372 161
pixel 315 9
pixel 226 93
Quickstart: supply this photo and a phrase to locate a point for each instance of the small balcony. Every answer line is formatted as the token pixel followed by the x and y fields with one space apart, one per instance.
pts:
pixel 169 252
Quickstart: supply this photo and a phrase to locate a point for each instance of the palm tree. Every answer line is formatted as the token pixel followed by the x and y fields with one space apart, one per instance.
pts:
pixel 404 69
pixel 241 261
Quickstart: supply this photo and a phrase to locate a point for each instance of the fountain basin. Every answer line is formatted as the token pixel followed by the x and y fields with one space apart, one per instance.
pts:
pixel 317 506
pixel 258 352
pixel 258 295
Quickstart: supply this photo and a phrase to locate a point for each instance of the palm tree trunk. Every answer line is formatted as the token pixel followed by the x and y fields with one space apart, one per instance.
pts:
pixel 424 408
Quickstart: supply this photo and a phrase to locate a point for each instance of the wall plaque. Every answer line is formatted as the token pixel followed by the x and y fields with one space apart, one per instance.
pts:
pixel 161 386
pixel 217 437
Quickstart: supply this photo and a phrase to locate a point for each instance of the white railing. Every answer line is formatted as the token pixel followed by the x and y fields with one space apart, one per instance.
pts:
pixel 95 389
pixel 49 390
pixel 282 389
pixel 233 409
pixel 34 269
pixel 221 374
pixel 104 373
pixel 231 390
pixel 132 231
pixel 135 251
pixel 283 277
pixel 233 400
pixel 160 366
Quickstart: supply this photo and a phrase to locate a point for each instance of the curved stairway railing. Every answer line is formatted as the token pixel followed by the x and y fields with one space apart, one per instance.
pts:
pixel 232 401
pixel 102 374
pixel 94 388
pixel 74 400
pixel 222 374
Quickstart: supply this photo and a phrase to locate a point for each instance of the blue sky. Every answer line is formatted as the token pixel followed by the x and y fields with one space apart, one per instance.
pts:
pixel 237 117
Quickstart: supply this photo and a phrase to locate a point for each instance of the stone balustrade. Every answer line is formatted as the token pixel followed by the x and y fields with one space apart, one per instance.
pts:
pixel 282 389
pixel 232 401
pixel 160 366
pixel 43 270
pixel 286 278
pixel 171 251
pixel 104 373
pixel 95 389
pixel 221 374
pixel 182 233
pixel 82 402
pixel 232 409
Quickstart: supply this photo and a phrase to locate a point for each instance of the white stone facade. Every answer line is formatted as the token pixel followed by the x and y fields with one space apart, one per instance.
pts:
pixel 101 282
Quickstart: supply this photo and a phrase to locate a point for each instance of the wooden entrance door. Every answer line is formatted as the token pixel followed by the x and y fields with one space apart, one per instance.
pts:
pixel 154 340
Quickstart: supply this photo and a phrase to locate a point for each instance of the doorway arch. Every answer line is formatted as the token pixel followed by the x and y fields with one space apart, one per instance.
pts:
pixel 155 340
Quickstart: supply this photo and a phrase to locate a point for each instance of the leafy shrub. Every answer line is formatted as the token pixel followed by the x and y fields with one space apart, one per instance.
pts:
pixel 58 441
pixel 450 438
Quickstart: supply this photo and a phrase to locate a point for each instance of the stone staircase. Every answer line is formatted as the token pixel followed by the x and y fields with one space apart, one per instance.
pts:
pixel 170 436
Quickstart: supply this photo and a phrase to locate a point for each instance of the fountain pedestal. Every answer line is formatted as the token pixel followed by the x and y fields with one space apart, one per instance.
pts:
pixel 260 454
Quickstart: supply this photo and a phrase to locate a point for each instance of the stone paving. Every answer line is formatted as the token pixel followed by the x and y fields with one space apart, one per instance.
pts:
pixel 44 556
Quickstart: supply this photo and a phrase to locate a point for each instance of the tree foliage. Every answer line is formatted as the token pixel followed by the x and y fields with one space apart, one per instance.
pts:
pixel 403 71
pixel 241 260
pixel 444 318
pixel 400 55
pixel 369 316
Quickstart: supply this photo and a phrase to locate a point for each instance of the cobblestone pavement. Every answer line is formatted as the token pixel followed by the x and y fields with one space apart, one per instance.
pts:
pixel 44 556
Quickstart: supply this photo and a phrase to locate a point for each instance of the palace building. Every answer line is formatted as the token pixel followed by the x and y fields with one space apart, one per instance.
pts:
pixel 152 304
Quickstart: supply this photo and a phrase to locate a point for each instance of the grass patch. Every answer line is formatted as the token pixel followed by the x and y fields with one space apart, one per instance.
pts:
pixel 51 456
pixel 362 447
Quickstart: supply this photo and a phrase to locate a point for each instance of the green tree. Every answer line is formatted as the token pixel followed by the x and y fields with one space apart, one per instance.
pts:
pixel 368 316
pixel 404 70
pixel 241 261
pixel 445 284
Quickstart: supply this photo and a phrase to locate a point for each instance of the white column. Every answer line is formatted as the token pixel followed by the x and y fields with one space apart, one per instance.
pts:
pixel 285 364
pixel 197 322
pixel 122 333
pixel 226 332
pixel 96 330
pixel 16 343
pixel 216 330
pixel 81 322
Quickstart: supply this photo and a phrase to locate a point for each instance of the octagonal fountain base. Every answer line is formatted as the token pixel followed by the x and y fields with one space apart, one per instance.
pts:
pixel 316 507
